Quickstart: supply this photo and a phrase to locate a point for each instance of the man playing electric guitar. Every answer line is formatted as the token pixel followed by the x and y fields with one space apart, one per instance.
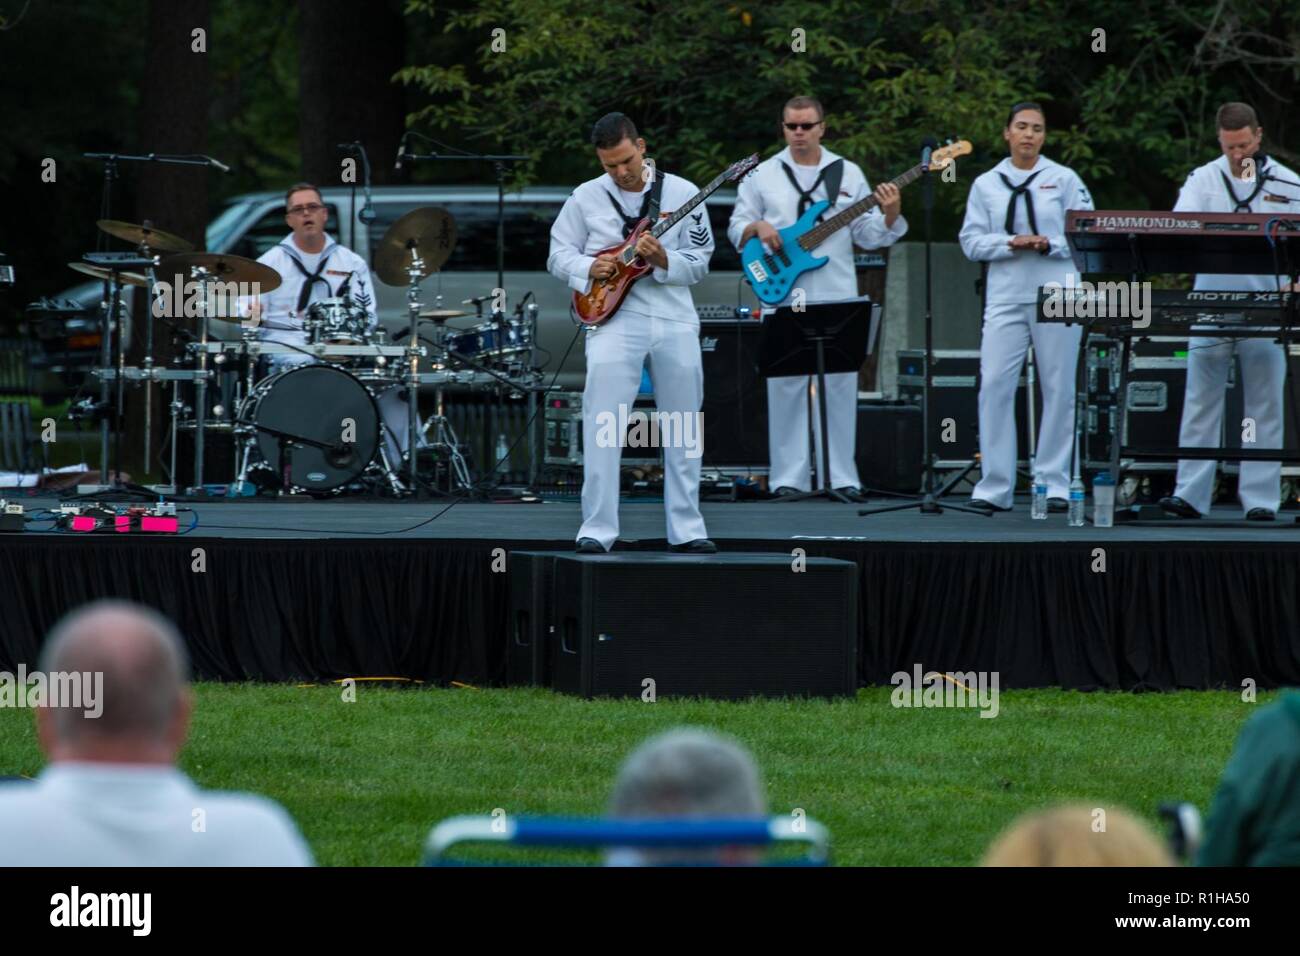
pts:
pixel 656 327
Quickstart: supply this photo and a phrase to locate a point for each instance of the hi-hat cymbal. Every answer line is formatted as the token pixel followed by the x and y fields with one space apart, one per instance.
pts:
pixel 155 239
pixel 127 278
pixel 225 267
pixel 444 314
pixel 430 230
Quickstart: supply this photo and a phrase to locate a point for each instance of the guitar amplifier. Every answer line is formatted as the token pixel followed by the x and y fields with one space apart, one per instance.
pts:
pixel 954 403
pixel 726 626
pixel 735 395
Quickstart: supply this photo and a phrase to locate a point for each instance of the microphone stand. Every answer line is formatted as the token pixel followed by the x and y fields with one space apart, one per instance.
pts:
pixel 928 500
pixel 111 311
pixel 500 163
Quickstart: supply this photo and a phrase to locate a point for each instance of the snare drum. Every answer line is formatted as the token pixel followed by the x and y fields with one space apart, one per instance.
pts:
pixel 337 322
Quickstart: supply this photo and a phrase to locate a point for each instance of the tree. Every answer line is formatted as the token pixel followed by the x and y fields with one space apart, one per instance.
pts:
pixel 173 119
pixel 348 53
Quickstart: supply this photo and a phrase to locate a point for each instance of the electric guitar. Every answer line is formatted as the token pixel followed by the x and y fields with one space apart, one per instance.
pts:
pixel 772 274
pixel 606 295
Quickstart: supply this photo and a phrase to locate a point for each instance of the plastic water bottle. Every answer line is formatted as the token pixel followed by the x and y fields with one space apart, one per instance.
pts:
pixel 1038 507
pixel 503 454
pixel 1103 500
pixel 1076 503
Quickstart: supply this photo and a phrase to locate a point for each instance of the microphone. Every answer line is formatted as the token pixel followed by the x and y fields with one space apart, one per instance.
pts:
pixel 475 301
pixel 401 152
pixel 216 163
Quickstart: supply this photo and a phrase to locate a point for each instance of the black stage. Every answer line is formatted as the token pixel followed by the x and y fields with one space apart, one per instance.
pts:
pixel 331 589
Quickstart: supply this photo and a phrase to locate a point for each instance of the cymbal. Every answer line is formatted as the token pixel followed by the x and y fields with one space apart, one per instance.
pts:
pixel 225 267
pixel 155 239
pixel 127 278
pixel 431 230
pixel 444 314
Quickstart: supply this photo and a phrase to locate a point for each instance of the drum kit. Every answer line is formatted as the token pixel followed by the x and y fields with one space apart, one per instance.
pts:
pixel 286 422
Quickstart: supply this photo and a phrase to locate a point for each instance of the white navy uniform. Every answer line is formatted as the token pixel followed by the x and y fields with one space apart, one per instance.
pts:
pixel 767 194
pixel 1010 318
pixel 656 327
pixel 282 319
pixel 1263 366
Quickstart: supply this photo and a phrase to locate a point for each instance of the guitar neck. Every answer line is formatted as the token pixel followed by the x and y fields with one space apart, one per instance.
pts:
pixel 818 234
pixel 663 225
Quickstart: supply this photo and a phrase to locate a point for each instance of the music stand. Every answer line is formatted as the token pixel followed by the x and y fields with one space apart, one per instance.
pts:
pixel 827 337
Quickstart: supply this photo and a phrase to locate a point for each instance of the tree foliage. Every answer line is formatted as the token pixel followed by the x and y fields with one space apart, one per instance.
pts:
pixel 1130 88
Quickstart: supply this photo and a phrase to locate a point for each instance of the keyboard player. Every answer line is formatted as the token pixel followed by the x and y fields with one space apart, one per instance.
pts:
pixel 1229 184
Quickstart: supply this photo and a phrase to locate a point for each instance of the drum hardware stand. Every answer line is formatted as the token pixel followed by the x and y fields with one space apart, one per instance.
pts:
pixel 204 278
pixel 444 435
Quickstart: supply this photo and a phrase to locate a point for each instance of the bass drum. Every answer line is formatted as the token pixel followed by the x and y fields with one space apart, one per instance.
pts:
pixel 323 404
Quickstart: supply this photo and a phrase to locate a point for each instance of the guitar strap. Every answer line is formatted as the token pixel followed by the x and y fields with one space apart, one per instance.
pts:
pixel 649 205
pixel 832 173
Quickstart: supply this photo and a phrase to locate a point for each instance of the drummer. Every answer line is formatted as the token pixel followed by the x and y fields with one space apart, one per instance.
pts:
pixel 313 267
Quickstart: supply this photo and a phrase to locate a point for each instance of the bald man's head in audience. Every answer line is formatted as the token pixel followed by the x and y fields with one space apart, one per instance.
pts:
pixel 146 701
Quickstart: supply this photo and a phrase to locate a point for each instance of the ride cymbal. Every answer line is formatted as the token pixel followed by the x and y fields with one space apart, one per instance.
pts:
pixel 155 239
pixel 431 231
pixel 225 267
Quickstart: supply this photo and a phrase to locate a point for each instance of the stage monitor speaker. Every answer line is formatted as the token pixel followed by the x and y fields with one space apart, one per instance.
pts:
pixel 529 575
pixel 889 446
pixel 727 626
pixel 735 395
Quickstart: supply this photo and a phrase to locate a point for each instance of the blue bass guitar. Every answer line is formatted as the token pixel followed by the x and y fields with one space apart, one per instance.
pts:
pixel 773 274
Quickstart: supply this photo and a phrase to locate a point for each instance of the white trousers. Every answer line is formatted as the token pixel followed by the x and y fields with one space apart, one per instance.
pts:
pixel 790 399
pixel 1263 373
pixel 1008 330
pixel 616 353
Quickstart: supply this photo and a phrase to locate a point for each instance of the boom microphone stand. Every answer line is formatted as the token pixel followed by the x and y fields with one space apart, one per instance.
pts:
pixel 500 164
pixel 927 502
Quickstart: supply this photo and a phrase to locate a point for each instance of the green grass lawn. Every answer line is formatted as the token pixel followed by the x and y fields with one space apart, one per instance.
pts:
pixel 366 780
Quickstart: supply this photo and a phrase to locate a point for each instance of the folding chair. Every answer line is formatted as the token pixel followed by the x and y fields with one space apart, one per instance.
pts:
pixel 640 834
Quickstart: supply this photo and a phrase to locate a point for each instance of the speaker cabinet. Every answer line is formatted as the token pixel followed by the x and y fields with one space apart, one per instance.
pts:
pixel 528 660
pixel 726 626
pixel 735 395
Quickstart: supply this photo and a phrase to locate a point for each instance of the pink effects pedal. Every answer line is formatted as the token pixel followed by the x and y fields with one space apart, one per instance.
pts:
pixel 165 524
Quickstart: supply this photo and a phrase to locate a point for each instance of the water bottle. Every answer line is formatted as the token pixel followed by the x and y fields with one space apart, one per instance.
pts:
pixel 1076 503
pixel 1038 507
pixel 503 454
pixel 1103 500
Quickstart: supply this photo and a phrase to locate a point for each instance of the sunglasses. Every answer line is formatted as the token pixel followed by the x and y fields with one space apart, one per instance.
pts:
pixel 309 207
pixel 802 126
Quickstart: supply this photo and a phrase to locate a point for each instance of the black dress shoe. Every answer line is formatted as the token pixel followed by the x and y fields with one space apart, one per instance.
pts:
pixel 698 546
pixel 1260 514
pixel 1057 505
pixel 986 507
pixel 1176 506
pixel 589 546
pixel 853 493
pixel 785 491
